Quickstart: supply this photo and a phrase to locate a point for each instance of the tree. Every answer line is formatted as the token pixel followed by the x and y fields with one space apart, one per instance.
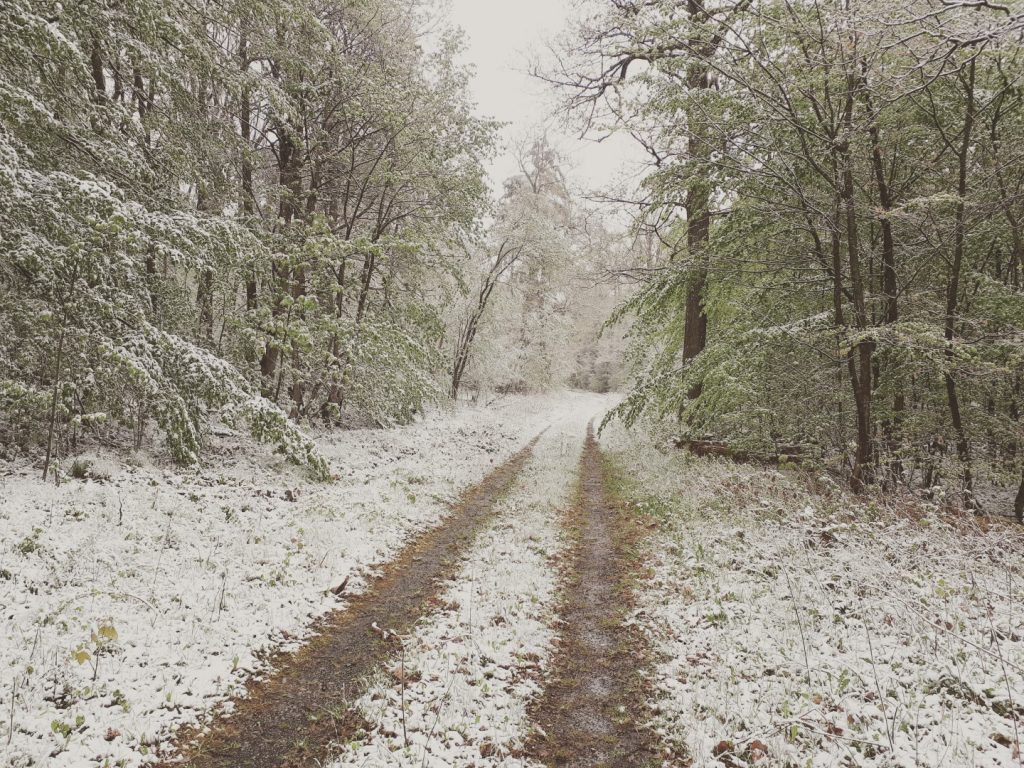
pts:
pixel 843 247
pixel 508 253
pixel 205 204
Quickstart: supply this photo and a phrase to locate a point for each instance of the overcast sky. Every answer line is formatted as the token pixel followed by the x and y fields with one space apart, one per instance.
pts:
pixel 501 34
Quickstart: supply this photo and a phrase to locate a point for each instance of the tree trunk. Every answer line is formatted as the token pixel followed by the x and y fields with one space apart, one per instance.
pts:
pixel 56 391
pixel 963 448
pixel 861 372
pixel 204 293
pixel 151 281
pixel 1018 504
pixel 99 79
pixel 204 298
pixel 698 230
pixel 890 300
pixel 245 129
pixel 465 342
pixel 288 179
pixel 461 357
pixel 507 256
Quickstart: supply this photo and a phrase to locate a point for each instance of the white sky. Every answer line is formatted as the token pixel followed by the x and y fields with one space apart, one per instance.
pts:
pixel 501 34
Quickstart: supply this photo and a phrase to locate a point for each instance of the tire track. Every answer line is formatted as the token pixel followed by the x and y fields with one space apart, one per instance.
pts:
pixel 475 660
pixel 291 718
pixel 587 713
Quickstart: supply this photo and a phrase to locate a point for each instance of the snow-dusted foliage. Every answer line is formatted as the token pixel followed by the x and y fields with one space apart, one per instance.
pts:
pixel 80 232
pixel 188 234
pixel 835 190
pixel 794 624
pixel 539 292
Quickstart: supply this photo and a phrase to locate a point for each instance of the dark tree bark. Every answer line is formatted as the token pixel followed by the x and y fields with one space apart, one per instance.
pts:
pixel 204 292
pixel 1018 504
pixel 290 184
pixel 697 206
pixel 890 289
pixel 57 371
pixel 245 131
pixel 99 78
pixel 860 371
pixel 963 448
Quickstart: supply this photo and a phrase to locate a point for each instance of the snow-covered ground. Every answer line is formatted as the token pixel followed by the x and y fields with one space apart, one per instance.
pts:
pixel 473 666
pixel 798 626
pixel 134 604
pixel 792 625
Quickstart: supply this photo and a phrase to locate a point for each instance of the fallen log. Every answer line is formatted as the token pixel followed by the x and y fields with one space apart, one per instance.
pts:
pixel 725 450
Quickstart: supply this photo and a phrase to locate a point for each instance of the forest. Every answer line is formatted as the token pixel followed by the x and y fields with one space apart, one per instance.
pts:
pixel 276 214
pixel 837 195
pixel 322 443
pixel 268 214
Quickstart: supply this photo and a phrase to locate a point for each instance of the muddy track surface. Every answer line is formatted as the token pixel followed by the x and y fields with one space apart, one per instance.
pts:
pixel 292 717
pixel 586 713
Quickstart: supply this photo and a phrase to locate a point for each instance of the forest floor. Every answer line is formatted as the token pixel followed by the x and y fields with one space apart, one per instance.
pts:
pixel 796 625
pixel 142 598
pixel 494 587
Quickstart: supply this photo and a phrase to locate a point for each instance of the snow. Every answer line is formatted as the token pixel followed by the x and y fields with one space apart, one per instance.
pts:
pixel 796 625
pixel 137 602
pixel 474 665
pixel 791 623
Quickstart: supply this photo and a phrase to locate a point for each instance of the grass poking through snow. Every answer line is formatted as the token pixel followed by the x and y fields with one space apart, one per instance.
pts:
pixel 801 627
